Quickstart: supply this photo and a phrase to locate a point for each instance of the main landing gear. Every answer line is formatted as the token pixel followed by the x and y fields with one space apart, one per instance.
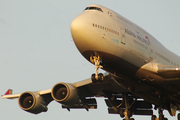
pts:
pixel 127 112
pixel 161 116
pixel 124 107
pixel 96 77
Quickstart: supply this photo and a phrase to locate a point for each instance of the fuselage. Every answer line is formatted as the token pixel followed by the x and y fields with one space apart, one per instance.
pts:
pixel 108 32
pixel 123 46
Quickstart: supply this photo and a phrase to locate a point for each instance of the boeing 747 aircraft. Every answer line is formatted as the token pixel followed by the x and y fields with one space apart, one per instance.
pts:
pixel 140 71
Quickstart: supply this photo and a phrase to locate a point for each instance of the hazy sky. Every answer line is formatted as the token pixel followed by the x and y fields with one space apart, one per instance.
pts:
pixel 37 51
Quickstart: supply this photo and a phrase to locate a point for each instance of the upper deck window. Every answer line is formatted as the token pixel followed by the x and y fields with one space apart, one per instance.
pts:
pixel 93 8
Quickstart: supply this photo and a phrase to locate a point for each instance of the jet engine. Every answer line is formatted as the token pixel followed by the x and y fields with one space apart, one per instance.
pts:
pixel 65 93
pixel 32 102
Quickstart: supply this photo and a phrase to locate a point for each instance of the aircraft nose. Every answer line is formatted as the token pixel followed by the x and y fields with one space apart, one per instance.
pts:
pixel 77 27
pixel 74 24
pixel 78 31
pixel 85 37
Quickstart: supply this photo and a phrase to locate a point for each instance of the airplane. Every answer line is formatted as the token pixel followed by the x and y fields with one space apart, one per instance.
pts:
pixel 141 74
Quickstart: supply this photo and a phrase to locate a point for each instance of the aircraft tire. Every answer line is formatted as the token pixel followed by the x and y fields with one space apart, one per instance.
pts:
pixel 100 77
pixel 161 117
pixel 178 116
pixel 93 78
pixel 129 113
pixel 153 117
pixel 121 113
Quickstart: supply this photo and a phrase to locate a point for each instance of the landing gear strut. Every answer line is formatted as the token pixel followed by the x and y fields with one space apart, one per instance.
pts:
pixel 127 111
pixel 96 77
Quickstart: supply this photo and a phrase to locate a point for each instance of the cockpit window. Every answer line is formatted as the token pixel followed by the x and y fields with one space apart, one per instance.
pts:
pixel 93 8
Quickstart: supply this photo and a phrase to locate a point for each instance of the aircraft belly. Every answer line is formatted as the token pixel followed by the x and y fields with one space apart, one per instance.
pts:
pixel 140 82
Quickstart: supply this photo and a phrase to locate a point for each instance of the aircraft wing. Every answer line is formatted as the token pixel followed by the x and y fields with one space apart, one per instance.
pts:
pixel 71 95
pixel 93 88
pixel 13 96
pixel 81 95
pixel 167 72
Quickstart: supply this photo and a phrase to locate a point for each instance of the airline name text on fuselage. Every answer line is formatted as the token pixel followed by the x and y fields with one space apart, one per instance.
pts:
pixel 137 36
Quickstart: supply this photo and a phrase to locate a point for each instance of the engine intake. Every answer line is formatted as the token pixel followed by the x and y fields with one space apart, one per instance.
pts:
pixel 65 93
pixel 32 102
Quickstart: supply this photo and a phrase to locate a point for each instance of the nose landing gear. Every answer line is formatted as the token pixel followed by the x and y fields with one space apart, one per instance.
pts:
pixel 96 77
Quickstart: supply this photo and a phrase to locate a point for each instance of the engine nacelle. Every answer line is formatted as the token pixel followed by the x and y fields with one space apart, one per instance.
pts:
pixel 32 102
pixel 65 93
